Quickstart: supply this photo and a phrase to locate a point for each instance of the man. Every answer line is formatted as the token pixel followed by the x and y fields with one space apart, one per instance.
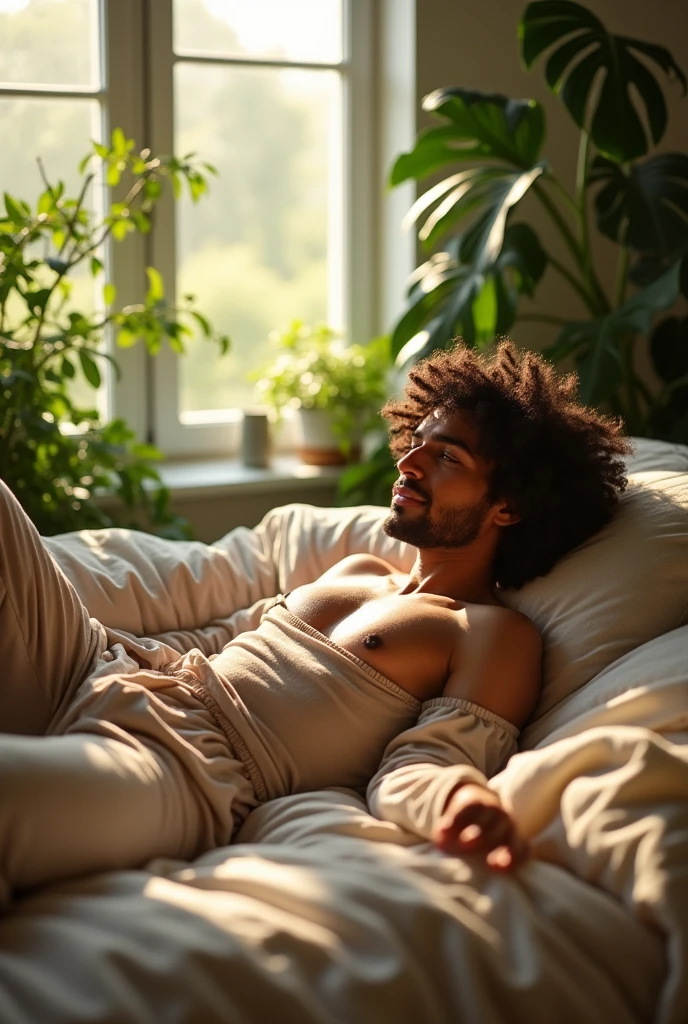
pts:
pixel 501 472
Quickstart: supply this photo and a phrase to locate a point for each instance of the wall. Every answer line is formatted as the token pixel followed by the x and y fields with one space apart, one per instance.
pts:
pixel 217 512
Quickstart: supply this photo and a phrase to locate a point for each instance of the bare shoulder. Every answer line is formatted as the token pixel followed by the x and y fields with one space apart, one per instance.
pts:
pixel 498 662
pixel 513 626
pixel 360 565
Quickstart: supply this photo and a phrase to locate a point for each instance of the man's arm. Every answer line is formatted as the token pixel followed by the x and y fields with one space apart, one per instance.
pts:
pixel 433 779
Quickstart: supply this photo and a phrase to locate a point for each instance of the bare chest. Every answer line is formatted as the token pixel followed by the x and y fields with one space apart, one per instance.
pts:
pixel 410 639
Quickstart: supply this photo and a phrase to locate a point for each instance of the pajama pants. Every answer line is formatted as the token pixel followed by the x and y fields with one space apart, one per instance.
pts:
pixel 102 764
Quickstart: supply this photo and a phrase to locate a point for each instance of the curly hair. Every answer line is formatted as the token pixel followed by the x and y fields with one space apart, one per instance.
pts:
pixel 558 464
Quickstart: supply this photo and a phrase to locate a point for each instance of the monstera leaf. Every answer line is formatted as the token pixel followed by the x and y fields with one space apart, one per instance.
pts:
pixel 595 342
pixel 448 296
pixel 470 288
pixel 647 208
pixel 582 49
pixel 481 126
pixel 489 192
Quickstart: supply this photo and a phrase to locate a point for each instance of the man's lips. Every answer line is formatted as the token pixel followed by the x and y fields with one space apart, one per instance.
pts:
pixel 405 496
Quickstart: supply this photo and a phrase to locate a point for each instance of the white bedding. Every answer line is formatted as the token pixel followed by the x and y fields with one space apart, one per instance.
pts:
pixel 320 913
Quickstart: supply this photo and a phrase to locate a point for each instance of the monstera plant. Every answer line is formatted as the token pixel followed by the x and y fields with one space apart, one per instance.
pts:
pixel 483 259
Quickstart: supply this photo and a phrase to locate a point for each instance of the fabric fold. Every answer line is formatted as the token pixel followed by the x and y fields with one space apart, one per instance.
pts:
pixel 453 742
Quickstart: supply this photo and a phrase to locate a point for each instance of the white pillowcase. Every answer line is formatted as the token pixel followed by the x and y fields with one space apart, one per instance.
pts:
pixel 623 587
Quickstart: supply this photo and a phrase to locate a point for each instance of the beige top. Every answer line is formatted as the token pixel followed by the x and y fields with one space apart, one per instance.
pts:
pixel 453 741
pixel 301 712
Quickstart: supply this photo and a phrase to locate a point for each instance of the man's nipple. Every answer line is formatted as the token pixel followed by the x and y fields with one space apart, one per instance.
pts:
pixel 372 641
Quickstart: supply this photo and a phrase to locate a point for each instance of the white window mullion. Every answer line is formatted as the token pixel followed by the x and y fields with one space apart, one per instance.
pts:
pixel 360 245
pixel 124 82
pixel 351 234
pixel 169 432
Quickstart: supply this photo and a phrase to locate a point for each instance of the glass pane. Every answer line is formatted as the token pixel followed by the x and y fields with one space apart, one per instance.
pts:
pixel 303 30
pixel 57 131
pixel 49 42
pixel 255 252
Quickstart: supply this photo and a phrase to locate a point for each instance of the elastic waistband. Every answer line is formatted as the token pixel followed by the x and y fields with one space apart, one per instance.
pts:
pixel 233 736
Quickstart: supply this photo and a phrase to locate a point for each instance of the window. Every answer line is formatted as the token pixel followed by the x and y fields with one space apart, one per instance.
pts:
pixel 280 96
pixel 50 106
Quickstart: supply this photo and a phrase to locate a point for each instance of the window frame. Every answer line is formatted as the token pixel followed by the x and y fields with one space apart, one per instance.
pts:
pixel 139 98
pixel 379 121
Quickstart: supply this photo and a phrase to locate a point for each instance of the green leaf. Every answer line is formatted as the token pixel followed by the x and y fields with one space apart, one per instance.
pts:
pixel 120 143
pixel 89 367
pixel 493 193
pixel 46 202
pixel 438 279
pixel 598 75
pixel 202 321
pixel 96 266
pixel 113 175
pixel 109 294
pixel 645 208
pixel 59 266
pixel 485 126
pixel 121 228
pixel 127 338
pixel 67 368
pixel 597 341
pixel 152 189
pixel 14 211
pixel 156 288
pixel 478 301
pixel 140 221
pixel 522 260
pixel 37 300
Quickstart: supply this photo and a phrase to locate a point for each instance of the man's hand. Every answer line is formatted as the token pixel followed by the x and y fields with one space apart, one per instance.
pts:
pixel 474 821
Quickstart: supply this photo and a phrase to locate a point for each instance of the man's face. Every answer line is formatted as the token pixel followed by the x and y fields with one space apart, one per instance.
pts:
pixel 441 497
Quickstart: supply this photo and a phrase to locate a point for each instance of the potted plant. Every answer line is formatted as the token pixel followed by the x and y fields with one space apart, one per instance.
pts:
pixel 483 260
pixel 336 389
pixel 56 456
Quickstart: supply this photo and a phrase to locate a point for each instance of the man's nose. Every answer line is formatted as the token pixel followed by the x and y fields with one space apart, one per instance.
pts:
pixel 410 463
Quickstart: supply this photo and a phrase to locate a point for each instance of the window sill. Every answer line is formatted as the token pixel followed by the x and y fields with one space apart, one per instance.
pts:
pixel 218 477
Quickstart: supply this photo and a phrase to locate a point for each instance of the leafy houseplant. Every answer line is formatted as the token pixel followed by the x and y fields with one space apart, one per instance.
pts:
pixel 483 260
pixel 54 455
pixel 315 372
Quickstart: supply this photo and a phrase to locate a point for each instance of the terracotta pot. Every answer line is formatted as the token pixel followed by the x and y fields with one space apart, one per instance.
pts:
pixel 318 443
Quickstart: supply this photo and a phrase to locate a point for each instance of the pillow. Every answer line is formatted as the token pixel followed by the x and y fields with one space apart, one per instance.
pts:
pixel 624 586
pixel 648 687
pixel 652 456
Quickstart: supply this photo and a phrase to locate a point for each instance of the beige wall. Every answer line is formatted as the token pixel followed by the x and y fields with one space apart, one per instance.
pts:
pixel 214 514
pixel 473 43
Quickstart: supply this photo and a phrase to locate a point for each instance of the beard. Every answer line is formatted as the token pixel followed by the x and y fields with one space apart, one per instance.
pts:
pixel 452 528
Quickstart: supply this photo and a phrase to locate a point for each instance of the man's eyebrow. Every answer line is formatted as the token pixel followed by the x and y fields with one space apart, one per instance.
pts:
pixel 454 442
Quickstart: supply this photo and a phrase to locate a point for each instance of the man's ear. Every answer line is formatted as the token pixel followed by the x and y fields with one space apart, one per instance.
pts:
pixel 503 516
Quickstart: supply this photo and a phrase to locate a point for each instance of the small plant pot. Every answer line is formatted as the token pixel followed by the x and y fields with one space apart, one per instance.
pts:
pixel 318 443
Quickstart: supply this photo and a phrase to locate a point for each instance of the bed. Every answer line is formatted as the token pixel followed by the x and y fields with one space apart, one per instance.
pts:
pixel 319 912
